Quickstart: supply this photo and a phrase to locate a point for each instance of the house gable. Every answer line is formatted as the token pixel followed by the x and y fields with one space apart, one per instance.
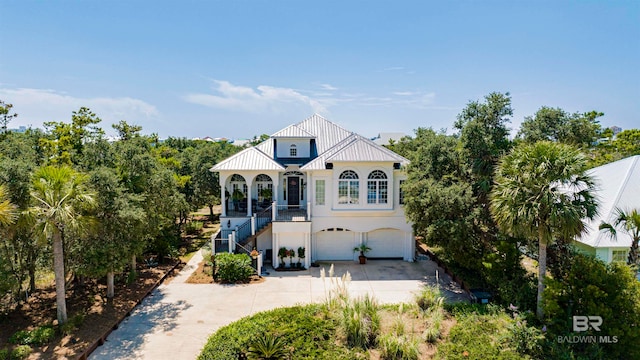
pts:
pixel 618 186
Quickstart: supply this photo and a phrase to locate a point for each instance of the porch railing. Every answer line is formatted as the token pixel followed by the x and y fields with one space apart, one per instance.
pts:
pixel 243 232
pixel 292 213
pixel 224 233
pixel 263 218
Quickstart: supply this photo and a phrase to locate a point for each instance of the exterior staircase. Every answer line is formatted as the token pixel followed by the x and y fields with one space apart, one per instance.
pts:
pixel 245 234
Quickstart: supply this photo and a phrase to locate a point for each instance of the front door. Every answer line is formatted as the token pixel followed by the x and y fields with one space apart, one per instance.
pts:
pixel 293 191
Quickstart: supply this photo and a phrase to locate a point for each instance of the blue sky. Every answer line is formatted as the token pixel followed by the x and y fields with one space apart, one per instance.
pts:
pixel 241 68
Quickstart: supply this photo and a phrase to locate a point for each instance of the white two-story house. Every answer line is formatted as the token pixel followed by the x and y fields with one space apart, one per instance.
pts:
pixel 317 186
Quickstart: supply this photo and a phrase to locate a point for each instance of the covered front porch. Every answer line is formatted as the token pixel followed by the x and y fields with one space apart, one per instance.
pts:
pixel 246 193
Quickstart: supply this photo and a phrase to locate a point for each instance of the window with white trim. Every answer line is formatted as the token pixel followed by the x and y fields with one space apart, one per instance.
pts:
pixel 377 187
pixel 401 193
pixel 619 255
pixel 348 188
pixel 293 150
pixel 319 192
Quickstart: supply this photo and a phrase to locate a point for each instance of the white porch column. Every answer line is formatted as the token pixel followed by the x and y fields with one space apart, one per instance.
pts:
pixel 231 241
pixel 307 246
pixel 274 252
pixel 276 188
pixel 223 190
pixel 249 184
pixel 274 211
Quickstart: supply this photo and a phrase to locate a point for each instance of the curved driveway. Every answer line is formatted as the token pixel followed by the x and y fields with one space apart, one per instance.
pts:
pixel 177 319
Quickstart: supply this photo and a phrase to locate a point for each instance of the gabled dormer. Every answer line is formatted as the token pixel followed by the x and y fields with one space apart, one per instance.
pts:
pixel 294 146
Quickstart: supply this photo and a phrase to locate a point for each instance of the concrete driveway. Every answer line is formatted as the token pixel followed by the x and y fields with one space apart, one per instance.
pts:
pixel 177 319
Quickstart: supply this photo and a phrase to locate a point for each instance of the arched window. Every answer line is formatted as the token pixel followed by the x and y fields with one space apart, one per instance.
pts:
pixel 264 186
pixel 377 187
pixel 293 150
pixel 348 188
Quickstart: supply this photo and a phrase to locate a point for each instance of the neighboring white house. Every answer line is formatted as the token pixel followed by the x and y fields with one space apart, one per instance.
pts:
pixel 318 186
pixel 618 187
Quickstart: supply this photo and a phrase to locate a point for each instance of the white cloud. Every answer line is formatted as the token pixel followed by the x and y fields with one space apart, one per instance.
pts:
pixel 263 98
pixel 328 87
pixel 36 106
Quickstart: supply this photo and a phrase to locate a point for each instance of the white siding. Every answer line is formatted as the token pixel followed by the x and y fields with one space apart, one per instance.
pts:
pixel 302 147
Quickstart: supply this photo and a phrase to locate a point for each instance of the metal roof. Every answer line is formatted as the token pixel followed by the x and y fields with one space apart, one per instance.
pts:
pixel 266 147
pixel 327 133
pixel 248 159
pixel 333 143
pixel 365 150
pixel 293 131
pixel 355 148
pixel 618 187
pixel 319 162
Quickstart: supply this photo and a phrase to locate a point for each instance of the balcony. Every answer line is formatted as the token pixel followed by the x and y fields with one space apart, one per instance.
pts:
pixel 287 213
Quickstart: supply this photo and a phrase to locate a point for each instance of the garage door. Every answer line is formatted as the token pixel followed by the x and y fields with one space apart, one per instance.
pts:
pixel 334 245
pixel 385 243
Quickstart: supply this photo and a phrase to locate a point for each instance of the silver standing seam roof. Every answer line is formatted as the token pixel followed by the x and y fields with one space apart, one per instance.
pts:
pixel 618 187
pixel 333 143
pixel 248 159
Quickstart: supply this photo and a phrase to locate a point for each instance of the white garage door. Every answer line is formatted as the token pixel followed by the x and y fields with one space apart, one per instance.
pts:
pixel 385 243
pixel 334 245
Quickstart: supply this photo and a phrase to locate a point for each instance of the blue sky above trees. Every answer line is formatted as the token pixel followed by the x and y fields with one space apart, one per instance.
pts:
pixel 241 68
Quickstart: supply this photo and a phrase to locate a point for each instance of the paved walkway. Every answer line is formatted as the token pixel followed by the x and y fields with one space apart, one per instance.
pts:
pixel 176 320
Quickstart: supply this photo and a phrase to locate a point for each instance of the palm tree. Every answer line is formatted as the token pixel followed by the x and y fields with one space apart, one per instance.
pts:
pixel 631 225
pixel 543 192
pixel 60 197
pixel 7 209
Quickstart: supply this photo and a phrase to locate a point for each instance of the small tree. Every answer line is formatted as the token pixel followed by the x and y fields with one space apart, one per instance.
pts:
pixel 5 116
pixel 543 192
pixel 60 197
pixel 629 223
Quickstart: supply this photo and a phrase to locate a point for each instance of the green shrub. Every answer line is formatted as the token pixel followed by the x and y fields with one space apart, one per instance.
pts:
pixel 399 327
pixel 479 337
pixel 4 354
pixel 21 352
pixel 73 323
pixel 505 277
pixel 268 347
pixel 20 337
pixel 193 227
pixel 461 309
pixel 398 347
pixel 39 336
pixel 300 327
pixel 593 288
pixel 233 268
pixel 429 296
pixel 434 319
pixel 526 340
pixel 431 334
pixel 360 322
